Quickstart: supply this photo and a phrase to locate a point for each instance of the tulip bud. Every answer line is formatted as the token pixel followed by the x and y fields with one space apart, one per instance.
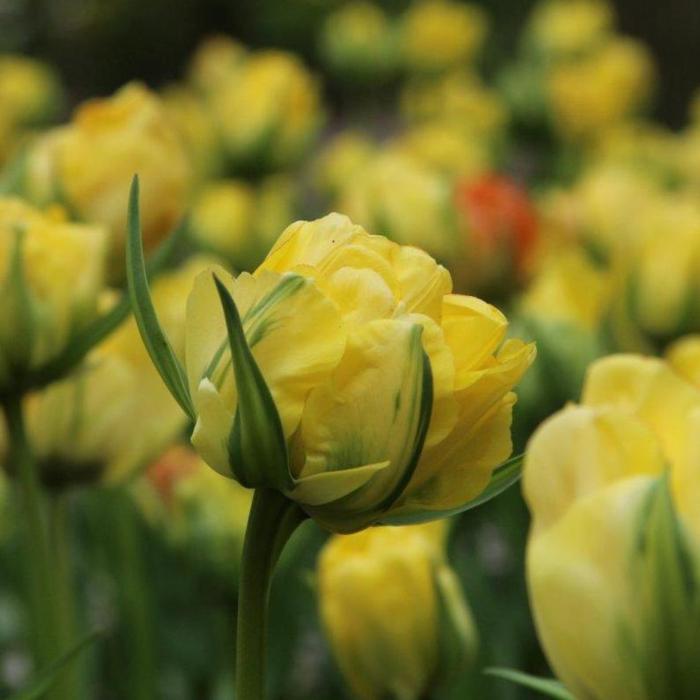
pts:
pixel 30 91
pixel 560 29
pixel 239 222
pixel 88 166
pixel 562 311
pixel 51 272
pixel 358 43
pixel 197 129
pixel 406 199
pixel 97 424
pixel 501 232
pixel 344 374
pixel 394 612
pixel 612 565
pixel 267 111
pixel 439 34
pixel 601 89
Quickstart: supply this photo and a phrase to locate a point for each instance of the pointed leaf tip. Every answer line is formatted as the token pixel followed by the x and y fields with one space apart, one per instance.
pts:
pixel 155 340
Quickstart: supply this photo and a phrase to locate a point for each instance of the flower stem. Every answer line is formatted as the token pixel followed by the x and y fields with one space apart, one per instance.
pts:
pixel 42 603
pixel 273 518
pixel 135 597
pixel 67 631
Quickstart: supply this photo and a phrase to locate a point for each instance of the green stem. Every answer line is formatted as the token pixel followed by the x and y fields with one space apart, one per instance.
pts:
pixel 273 518
pixel 67 627
pixel 136 603
pixel 35 546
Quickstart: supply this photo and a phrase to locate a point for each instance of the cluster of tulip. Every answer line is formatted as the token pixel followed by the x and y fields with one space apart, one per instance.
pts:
pixel 180 364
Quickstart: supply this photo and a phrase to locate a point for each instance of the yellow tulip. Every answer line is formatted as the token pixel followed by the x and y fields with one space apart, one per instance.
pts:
pixel 660 268
pixel 88 165
pixel 613 488
pixel 358 42
pixel 214 61
pixel 565 28
pixel 437 35
pixel 343 158
pixel 684 357
pixel 393 611
pixel 196 126
pixel 51 272
pixel 268 111
pixel 445 148
pixel 409 201
pixel 240 222
pixel 600 89
pixel 201 512
pixel 458 100
pixel 393 395
pixel 112 414
pixel 30 91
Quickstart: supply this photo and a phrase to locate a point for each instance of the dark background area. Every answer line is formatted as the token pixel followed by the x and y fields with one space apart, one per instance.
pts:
pixel 100 44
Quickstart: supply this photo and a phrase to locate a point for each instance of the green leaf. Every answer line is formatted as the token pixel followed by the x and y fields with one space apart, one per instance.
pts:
pixel 546 686
pixel 155 340
pixel 49 675
pixel 257 446
pixel 503 478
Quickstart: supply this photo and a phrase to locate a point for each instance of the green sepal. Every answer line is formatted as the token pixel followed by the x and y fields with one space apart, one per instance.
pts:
pixel 48 676
pixel 664 576
pixel 546 686
pixel 256 443
pixel 503 478
pixel 155 340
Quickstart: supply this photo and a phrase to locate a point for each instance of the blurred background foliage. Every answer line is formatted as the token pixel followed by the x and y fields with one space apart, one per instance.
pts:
pixel 98 45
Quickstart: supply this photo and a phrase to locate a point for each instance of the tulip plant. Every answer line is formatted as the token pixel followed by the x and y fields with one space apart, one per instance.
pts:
pixel 342 381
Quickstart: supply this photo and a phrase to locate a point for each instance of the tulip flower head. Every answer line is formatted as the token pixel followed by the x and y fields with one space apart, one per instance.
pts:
pixel 51 272
pixel 88 165
pixel 345 374
pixel 612 561
pixel 111 415
pixel 393 611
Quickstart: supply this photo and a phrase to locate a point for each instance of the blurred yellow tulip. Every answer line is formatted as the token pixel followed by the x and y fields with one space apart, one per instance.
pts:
pixel 393 395
pixel 341 159
pixel 268 111
pixel 564 28
pixel 437 35
pixel 88 166
pixel 407 201
pixel 112 415
pixel 30 91
pixel 601 88
pixel 612 564
pixel 239 222
pixel 394 612
pixel 358 42
pixel 51 272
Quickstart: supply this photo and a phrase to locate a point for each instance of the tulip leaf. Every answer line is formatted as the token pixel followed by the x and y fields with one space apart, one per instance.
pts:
pixel 46 678
pixel 503 478
pixel 546 686
pixel 257 446
pixel 154 338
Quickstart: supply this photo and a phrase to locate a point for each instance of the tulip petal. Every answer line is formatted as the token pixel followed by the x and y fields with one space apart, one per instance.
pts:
pixel 375 408
pixel 324 487
pixel 211 431
pixel 652 391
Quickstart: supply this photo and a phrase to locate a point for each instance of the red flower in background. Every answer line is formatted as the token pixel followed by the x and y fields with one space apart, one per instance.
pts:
pixel 500 220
